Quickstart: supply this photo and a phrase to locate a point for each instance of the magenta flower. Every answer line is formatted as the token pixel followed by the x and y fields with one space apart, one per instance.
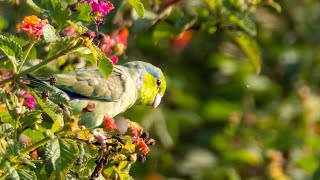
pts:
pixel 114 59
pixel 30 102
pixel 100 7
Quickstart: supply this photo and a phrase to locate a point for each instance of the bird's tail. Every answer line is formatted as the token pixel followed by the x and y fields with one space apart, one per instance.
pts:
pixel 41 85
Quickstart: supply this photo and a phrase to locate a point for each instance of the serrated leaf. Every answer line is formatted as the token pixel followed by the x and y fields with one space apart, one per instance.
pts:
pixel 138 7
pixel 245 23
pixel 29 118
pixel 49 33
pixel 60 155
pixel 11 49
pixel 84 10
pixel 105 66
pixel 65 42
pixel 58 123
pixel 26 174
pixel 43 106
pixel 69 153
pixel 52 157
pixel 5 129
pixel 13 174
pixel 250 47
pixel 58 11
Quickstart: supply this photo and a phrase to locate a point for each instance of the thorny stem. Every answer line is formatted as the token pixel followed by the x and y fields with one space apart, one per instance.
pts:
pixel 25 56
pixel 33 68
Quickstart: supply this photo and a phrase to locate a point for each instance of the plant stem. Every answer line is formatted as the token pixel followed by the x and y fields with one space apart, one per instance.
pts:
pixel 25 56
pixel 41 142
pixel 33 68
pixel 35 145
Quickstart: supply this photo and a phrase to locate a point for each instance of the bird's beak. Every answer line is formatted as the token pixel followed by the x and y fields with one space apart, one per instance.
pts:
pixel 156 101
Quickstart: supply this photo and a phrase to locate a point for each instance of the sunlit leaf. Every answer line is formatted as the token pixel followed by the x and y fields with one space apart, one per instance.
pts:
pixel 49 33
pixel 84 10
pixel 138 6
pixel 245 23
pixel 69 153
pixel 13 174
pixel 105 66
pixel 34 6
pixel 11 49
pixel 29 118
pixel 26 174
pixel 250 47
pixel 52 157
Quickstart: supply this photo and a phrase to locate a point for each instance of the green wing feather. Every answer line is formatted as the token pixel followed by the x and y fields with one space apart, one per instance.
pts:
pixel 90 83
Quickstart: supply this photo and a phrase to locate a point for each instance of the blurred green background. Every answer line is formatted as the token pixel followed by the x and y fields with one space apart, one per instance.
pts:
pixel 218 118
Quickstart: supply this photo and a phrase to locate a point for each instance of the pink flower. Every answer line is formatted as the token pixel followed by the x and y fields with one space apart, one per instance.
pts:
pixel 30 102
pixel 33 26
pixel 101 7
pixel 98 6
pixel 114 59
pixel 69 31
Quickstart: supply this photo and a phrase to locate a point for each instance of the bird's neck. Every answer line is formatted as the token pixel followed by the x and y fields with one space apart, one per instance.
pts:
pixel 137 78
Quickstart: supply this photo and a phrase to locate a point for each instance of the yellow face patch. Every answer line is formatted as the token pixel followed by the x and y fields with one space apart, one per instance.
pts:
pixel 148 90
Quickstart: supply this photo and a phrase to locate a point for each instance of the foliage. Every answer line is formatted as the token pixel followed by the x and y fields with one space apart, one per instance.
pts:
pixel 241 101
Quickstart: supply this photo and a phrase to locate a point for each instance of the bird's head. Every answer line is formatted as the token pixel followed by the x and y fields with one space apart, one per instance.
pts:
pixel 150 81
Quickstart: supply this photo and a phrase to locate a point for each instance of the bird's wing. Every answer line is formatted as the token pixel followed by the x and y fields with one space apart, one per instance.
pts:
pixel 89 83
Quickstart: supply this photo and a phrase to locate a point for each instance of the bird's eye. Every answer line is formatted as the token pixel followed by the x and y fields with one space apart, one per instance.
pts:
pixel 158 82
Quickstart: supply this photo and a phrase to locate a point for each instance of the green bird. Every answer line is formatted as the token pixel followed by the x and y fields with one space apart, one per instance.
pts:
pixel 135 82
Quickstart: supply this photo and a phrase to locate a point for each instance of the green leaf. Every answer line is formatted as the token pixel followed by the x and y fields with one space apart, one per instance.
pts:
pixel 138 6
pixel 87 54
pixel 69 153
pixel 84 10
pixel 29 118
pixel 164 30
pixel 43 106
pixel 49 33
pixel 185 22
pixel 5 117
pixel 275 5
pixel 13 174
pixel 57 10
pixel 250 47
pixel 105 66
pixel 52 157
pixel 35 135
pixel 26 174
pixel 11 49
pixel 33 6
pixel 5 129
pixel 65 42
pixel 107 172
pixel 60 155
pixel 245 23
